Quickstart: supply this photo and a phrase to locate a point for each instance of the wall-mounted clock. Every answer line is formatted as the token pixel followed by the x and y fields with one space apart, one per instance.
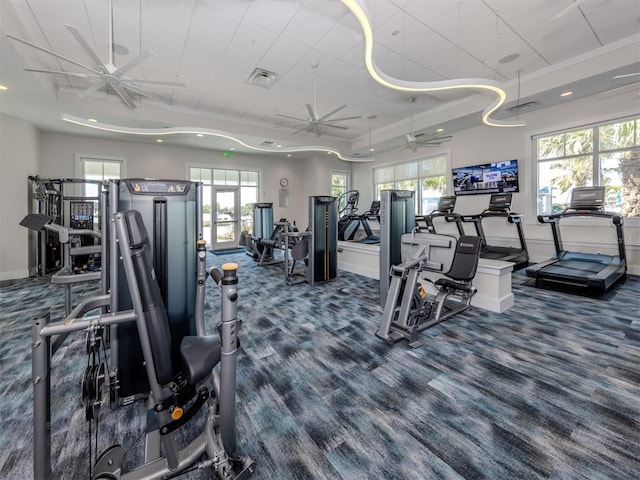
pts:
pixel 284 182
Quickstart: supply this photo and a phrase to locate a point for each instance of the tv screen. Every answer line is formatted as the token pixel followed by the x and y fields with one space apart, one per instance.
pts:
pixel 496 177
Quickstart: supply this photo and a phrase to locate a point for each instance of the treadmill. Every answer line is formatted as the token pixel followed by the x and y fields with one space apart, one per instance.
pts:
pixel 500 207
pixel 445 209
pixel 590 270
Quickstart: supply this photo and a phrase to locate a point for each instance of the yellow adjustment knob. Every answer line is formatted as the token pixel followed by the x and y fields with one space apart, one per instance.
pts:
pixel 176 413
pixel 229 266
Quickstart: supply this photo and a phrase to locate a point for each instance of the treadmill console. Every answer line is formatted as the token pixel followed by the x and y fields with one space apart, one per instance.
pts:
pixel 500 202
pixel 587 198
pixel 446 204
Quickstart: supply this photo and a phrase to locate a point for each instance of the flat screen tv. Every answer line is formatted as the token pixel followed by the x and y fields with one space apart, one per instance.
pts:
pixel 496 177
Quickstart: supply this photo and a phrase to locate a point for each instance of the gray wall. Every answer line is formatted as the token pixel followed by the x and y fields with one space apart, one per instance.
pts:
pixel 21 144
pixel 483 144
pixel 24 151
pixel 18 159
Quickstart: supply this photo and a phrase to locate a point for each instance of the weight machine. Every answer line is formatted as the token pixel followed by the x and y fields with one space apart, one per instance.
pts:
pixel 203 377
pixel 408 309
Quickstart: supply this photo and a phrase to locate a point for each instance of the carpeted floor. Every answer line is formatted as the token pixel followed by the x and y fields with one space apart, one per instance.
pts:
pixel 549 389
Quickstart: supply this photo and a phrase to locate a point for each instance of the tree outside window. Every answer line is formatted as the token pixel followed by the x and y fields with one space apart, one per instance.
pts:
pixel 606 154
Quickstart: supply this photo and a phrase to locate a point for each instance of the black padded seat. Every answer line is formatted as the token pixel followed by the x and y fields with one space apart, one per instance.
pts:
pixel 445 282
pixel 199 355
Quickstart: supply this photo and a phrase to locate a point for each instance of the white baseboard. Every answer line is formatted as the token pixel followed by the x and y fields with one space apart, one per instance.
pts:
pixel 14 275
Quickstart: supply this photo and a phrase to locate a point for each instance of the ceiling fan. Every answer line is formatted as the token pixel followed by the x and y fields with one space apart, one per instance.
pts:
pixel 313 123
pixel 108 76
pixel 414 141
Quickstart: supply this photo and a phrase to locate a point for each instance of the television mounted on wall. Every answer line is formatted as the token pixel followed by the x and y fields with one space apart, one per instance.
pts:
pixel 495 177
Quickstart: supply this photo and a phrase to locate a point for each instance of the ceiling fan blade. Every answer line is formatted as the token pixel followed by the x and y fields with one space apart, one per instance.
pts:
pixel 413 147
pixel 306 127
pixel 60 72
pixel 124 96
pixel 566 10
pixel 335 111
pixel 80 39
pixel 152 82
pixel 150 95
pixel 340 119
pixel 312 114
pixel 292 118
pixel 93 88
pixel 97 72
pixel 143 57
pixel 324 124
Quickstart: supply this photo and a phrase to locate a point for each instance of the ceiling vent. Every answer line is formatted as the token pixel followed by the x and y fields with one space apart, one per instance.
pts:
pixel 262 78
pixel 270 144
pixel 522 106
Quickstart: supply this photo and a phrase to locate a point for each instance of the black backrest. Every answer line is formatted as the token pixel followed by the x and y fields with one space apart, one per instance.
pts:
pixel 465 261
pixel 155 313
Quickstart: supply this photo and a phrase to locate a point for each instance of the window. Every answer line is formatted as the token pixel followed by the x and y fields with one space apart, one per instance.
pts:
pixel 99 170
pixel 339 183
pixel 246 181
pixel 427 177
pixel 605 154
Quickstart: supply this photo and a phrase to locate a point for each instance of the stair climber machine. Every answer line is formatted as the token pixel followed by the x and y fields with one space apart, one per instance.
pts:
pixel 190 377
pixel 588 270
pixel 348 222
pixel 445 209
pixel 408 309
pixel 500 207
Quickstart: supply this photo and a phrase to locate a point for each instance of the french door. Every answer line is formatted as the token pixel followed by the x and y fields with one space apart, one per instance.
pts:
pixel 226 219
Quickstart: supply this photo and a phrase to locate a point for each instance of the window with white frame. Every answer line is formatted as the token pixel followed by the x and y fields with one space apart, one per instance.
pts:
pixel 426 177
pixel 247 181
pixel 340 183
pixel 97 169
pixel 605 154
pixel 100 169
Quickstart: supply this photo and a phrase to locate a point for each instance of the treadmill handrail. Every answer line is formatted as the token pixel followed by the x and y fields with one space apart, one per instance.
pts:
pixel 554 221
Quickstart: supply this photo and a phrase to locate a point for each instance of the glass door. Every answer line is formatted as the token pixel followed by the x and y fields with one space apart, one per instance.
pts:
pixel 226 227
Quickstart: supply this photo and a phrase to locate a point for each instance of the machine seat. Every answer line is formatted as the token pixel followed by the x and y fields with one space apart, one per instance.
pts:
pixel 199 355
pixel 453 285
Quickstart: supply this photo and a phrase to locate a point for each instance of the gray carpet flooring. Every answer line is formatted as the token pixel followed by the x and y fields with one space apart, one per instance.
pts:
pixel 549 389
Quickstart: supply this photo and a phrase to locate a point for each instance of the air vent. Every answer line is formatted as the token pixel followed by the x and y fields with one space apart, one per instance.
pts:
pixel 522 106
pixel 270 144
pixel 262 78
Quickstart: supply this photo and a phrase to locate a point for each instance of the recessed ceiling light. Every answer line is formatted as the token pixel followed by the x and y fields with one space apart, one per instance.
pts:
pixel 159 140
pixel 232 148
pixel 372 149
pixel 440 130
pixel 288 154
pixel 199 135
pixel 566 94
pixel 93 120
pixel 2 87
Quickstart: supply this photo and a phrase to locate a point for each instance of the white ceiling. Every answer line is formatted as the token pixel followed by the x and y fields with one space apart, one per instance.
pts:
pixel 213 46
